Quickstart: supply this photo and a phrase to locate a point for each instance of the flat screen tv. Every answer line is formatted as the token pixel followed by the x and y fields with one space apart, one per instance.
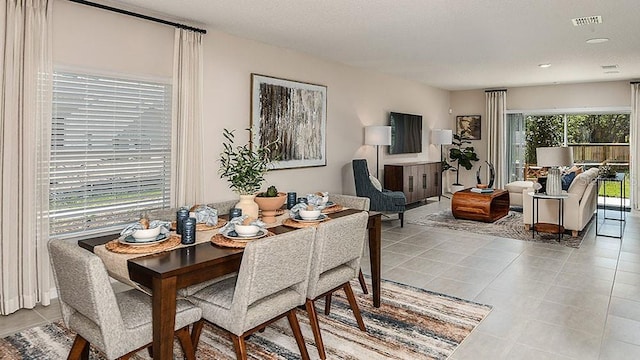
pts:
pixel 406 133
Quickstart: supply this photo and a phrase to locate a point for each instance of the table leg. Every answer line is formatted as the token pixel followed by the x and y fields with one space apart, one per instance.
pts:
pixel 164 316
pixel 375 245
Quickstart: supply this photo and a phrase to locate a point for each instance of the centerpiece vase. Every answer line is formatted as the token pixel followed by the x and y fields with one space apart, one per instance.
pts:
pixel 270 205
pixel 248 206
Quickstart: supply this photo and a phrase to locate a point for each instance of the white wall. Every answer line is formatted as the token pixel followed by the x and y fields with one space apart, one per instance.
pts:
pixel 95 39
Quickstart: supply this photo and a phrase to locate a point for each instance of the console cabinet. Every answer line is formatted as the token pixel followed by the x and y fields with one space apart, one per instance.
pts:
pixel 418 181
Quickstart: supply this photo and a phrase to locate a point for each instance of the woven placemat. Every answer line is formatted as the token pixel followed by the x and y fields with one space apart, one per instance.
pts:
pixel 120 248
pixel 203 226
pixel 332 209
pixel 300 225
pixel 220 240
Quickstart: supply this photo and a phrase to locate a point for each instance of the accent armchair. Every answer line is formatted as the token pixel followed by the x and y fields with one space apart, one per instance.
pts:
pixel 385 200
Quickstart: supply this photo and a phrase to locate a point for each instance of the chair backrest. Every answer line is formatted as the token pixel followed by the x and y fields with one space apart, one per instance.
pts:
pixel 223 207
pixel 364 187
pixel 349 201
pixel 84 287
pixel 273 264
pixel 338 242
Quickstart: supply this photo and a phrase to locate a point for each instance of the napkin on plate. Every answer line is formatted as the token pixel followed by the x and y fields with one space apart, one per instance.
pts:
pixel 206 215
pixel 296 208
pixel 318 199
pixel 129 229
pixel 230 226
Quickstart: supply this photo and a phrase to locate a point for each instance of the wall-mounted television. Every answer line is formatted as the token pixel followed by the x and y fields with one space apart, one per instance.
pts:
pixel 406 133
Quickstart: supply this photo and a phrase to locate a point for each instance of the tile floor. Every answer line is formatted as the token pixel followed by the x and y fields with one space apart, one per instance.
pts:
pixel 549 301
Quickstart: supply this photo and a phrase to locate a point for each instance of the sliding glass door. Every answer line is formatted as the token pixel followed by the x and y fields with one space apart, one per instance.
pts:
pixel 515 147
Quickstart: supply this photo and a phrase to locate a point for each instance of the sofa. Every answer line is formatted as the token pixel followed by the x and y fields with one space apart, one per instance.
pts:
pixel 578 209
pixel 515 189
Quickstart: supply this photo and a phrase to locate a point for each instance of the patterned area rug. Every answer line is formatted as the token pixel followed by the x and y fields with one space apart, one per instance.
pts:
pixel 510 226
pixel 411 324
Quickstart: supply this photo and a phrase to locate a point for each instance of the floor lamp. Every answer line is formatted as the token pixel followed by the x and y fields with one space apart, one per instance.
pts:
pixel 377 135
pixel 441 137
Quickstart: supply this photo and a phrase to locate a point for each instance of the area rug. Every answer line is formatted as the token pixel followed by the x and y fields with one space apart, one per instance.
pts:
pixel 411 323
pixel 510 226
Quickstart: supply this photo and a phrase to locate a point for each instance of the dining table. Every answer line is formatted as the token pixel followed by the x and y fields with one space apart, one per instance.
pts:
pixel 166 272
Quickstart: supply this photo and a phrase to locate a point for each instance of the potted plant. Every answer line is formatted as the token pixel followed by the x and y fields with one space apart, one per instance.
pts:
pixel 460 154
pixel 269 202
pixel 245 169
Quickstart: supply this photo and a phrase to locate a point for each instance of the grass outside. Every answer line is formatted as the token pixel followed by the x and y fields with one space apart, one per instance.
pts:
pixel 612 188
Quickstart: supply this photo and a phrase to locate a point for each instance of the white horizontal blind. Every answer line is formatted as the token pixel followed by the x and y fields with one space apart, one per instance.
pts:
pixel 110 152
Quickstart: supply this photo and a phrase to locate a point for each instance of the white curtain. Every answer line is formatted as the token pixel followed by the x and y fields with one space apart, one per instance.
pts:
pixel 496 103
pixel 25 123
pixel 635 147
pixel 186 175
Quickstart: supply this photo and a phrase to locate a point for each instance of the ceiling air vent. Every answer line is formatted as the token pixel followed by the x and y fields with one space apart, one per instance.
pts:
pixel 609 67
pixel 587 20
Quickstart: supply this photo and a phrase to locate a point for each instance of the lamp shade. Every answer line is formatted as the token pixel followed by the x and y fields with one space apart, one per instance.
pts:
pixel 554 156
pixel 441 136
pixel 377 135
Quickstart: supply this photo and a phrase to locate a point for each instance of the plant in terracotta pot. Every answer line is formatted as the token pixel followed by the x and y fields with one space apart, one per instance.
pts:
pixel 269 202
pixel 245 169
pixel 461 155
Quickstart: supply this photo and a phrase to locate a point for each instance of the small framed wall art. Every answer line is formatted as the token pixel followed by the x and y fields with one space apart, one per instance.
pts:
pixel 293 114
pixel 468 127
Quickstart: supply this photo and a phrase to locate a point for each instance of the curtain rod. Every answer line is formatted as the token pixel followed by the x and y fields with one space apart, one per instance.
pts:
pixel 141 16
pixel 635 82
pixel 494 90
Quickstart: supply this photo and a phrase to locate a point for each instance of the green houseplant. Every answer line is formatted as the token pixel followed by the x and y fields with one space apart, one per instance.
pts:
pixel 245 169
pixel 460 154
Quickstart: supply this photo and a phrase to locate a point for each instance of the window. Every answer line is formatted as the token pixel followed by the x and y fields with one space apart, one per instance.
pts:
pixel 110 152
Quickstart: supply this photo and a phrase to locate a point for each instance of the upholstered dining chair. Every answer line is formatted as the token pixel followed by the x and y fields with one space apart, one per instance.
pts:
pixel 271 283
pixel 351 202
pixel 337 252
pixel 118 324
pixel 381 200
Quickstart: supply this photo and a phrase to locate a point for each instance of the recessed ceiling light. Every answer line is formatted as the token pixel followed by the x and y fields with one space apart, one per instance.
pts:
pixel 544 66
pixel 597 40
pixel 612 72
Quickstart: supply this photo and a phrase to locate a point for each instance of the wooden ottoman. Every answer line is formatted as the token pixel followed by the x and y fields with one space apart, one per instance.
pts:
pixel 487 207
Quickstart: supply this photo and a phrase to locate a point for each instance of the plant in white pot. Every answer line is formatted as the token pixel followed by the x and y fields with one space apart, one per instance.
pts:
pixel 245 169
pixel 460 154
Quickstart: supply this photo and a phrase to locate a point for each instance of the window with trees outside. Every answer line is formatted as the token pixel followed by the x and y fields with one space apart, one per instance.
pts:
pixel 596 139
pixel 110 152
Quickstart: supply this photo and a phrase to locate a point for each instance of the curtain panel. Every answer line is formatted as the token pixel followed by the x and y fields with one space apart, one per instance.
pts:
pixel 496 109
pixel 186 175
pixel 25 131
pixel 635 147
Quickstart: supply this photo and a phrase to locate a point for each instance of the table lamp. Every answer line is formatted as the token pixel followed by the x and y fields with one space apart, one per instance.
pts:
pixel 441 137
pixel 377 135
pixel 554 157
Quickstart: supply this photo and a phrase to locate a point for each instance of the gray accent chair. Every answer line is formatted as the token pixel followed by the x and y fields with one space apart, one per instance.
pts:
pixel 271 283
pixel 118 324
pixel 337 252
pixel 385 200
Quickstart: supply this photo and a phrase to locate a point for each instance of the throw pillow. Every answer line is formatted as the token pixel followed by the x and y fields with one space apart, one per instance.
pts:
pixel 567 179
pixel 375 182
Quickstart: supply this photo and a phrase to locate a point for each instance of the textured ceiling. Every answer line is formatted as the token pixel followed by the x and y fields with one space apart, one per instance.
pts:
pixel 450 44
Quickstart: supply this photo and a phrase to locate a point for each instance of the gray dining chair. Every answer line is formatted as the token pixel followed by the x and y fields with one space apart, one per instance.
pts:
pixel 271 283
pixel 351 202
pixel 118 324
pixel 337 252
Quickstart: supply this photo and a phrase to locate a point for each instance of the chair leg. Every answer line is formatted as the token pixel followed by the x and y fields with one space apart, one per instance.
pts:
pixel 150 351
pixel 297 333
pixel 363 284
pixel 195 333
pixel 315 326
pixel 186 343
pixel 240 346
pixel 354 306
pixel 79 349
pixel 401 217
pixel 327 304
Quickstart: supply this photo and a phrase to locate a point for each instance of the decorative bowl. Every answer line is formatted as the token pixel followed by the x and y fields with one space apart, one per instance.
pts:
pixel 247 230
pixel 309 214
pixel 146 234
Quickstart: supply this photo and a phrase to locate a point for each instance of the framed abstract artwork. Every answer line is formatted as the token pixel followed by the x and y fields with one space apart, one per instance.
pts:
pixel 468 127
pixel 293 115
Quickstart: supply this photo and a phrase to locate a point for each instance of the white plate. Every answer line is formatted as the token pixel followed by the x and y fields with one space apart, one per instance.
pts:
pixel 329 203
pixel 261 233
pixel 322 217
pixel 131 241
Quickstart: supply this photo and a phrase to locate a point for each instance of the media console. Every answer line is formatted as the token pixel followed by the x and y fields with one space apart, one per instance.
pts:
pixel 417 180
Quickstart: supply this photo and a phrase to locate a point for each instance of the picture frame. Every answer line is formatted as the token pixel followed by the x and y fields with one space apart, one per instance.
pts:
pixel 468 127
pixel 294 115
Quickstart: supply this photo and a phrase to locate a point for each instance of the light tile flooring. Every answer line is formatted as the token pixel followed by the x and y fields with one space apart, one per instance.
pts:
pixel 549 301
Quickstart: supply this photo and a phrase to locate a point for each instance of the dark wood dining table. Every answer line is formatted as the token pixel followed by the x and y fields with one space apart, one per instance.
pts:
pixel 164 273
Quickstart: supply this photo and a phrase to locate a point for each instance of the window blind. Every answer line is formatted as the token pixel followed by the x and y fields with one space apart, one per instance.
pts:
pixel 110 152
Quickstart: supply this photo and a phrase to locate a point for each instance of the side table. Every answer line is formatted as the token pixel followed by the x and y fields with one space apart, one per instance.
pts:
pixel 547 227
pixel 619 178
